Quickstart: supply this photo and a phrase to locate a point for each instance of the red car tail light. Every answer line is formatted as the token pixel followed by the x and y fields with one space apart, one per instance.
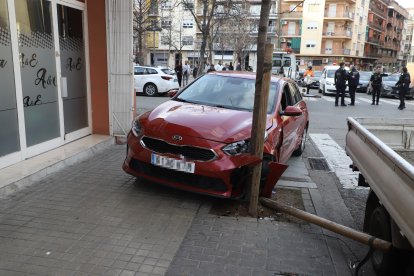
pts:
pixel 166 77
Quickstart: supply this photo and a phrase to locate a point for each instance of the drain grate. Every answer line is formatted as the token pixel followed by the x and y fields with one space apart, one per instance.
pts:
pixel 318 164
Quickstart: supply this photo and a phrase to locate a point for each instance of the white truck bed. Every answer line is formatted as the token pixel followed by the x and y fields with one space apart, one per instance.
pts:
pixel 372 144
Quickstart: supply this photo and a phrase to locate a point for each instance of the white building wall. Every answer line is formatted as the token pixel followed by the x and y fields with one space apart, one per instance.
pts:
pixel 313 12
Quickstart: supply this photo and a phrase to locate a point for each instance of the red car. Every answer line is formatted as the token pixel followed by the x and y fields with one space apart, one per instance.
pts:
pixel 199 140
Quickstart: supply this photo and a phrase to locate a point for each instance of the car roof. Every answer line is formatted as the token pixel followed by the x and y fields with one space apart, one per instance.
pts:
pixel 245 75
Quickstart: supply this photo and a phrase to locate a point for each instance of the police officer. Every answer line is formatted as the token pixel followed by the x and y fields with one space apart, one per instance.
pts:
pixel 375 84
pixel 341 76
pixel 403 83
pixel 353 82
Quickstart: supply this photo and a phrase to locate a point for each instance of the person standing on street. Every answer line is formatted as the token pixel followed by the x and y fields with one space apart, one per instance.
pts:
pixel 179 71
pixel 195 70
pixel 186 73
pixel 231 68
pixel 375 85
pixel 353 82
pixel 308 75
pixel 341 76
pixel 403 84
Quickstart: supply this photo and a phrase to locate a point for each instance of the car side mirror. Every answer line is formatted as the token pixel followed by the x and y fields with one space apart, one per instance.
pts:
pixel 172 93
pixel 292 111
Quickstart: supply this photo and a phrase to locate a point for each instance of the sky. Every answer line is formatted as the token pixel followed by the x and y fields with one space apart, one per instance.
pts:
pixel 406 3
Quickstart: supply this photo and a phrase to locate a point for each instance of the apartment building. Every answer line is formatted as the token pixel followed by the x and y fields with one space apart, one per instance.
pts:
pixel 324 32
pixel 173 35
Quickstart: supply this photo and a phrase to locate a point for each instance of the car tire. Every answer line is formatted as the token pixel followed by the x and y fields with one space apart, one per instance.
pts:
pixel 319 90
pixel 150 89
pixel 324 91
pixel 301 148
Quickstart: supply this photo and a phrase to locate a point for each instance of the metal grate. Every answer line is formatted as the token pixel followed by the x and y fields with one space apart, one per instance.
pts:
pixel 318 164
pixel 189 152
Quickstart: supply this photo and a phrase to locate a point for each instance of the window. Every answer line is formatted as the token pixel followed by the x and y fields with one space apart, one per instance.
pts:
pixel 165 24
pixel 255 9
pixel 150 71
pixel 312 25
pixel 165 40
pixel 188 23
pixel 188 40
pixel 166 5
pixel 294 94
pixel 188 5
pixel 138 71
pixel 310 44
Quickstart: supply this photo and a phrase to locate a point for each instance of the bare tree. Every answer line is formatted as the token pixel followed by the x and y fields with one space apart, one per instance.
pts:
pixel 208 15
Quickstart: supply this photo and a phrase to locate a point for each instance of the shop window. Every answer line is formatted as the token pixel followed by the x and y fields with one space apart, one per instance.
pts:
pixel 9 130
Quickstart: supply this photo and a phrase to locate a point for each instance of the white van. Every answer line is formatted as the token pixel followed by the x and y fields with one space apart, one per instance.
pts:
pixel 327 80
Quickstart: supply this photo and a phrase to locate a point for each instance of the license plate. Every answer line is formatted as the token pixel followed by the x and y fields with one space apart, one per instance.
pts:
pixel 171 163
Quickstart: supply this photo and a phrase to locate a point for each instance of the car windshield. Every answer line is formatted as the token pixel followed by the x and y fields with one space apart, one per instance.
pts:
pixel 365 76
pixel 226 92
pixel 317 73
pixel 392 78
pixel 168 71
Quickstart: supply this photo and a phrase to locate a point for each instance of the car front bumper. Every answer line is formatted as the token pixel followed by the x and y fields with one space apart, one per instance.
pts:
pixel 225 176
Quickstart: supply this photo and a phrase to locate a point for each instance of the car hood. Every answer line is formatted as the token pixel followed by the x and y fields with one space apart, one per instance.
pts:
pixel 389 83
pixel 201 121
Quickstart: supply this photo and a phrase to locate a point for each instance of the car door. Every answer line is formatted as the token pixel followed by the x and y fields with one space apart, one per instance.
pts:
pixel 298 123
pixel 139 78
pixel 288 126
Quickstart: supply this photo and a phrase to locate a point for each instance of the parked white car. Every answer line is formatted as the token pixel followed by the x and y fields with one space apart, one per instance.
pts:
pixel 154 80
pixel 327 80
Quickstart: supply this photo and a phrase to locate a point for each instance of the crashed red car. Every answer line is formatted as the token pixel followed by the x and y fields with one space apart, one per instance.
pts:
pixel 199 139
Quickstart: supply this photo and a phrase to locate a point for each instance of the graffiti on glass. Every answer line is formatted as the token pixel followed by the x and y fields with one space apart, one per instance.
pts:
pixel 73 64
pixel 28 60
pixel 27 101
pixel 44 79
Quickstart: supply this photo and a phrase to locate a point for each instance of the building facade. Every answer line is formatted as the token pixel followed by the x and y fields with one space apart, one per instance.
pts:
pixel 54 74
pixel 178 37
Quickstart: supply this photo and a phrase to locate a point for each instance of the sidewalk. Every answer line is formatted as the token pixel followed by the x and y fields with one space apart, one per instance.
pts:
pixel 91 218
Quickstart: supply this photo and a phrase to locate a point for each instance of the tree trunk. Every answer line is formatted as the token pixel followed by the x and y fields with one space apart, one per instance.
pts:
pixel 260 103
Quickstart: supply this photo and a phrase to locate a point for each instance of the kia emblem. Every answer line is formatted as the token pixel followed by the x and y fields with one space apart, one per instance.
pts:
pixel 177 137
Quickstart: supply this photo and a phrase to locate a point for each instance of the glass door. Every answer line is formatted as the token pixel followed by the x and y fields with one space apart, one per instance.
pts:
pixel 38 73
pixel 73 72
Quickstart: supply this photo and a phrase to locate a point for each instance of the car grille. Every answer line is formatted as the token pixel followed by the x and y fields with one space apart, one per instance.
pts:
pixel 191 180
pixel 193 153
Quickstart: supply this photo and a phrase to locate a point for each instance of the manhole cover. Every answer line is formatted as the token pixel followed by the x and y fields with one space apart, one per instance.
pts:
pixel 318 164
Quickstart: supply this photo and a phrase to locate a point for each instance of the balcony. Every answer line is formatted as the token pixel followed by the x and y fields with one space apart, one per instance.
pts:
pixel 373 40
pixel 372 54
pixel 339 15
pixel 338 34
pixel 378 11
pixel 290 34
pixel 375 25
pixel 292 15
pixel 340 52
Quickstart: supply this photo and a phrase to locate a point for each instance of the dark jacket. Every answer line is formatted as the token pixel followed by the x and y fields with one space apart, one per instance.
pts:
pixel 341 76
pixel 353 78
pixel 376 79
pixel 179 70
pixel 404 81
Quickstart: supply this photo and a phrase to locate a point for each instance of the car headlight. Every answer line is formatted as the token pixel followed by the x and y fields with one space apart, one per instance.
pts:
pixel 136 128
pixel 237 148
pixel 240 147
pixel 386 87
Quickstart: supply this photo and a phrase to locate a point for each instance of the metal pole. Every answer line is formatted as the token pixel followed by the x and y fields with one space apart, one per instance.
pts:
pixel 365 238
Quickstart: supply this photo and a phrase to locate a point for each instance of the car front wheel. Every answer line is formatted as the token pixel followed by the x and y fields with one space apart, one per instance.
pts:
pixel 301 148
pixel 150 89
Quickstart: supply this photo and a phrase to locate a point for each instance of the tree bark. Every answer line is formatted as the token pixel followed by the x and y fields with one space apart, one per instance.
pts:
pixel 263 74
